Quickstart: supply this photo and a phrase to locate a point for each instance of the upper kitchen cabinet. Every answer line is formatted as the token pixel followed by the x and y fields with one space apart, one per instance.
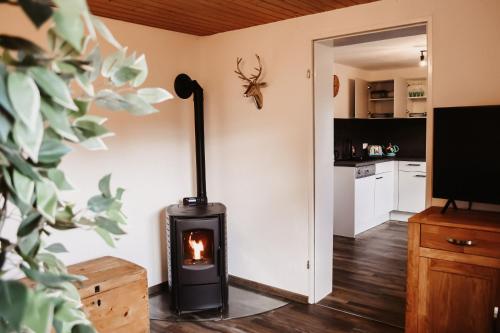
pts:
pixel 381 75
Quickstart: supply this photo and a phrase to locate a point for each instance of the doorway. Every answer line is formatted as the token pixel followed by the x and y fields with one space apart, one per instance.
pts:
pixel 378 86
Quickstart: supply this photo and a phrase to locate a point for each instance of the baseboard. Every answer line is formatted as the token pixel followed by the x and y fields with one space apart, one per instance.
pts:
pixel 159 288
pixel 265 289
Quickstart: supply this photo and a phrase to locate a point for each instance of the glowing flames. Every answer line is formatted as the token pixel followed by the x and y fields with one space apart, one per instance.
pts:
pixel 197 247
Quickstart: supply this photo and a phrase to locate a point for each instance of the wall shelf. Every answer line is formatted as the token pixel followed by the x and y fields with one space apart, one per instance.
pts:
pixel 381 99
pixel 418 97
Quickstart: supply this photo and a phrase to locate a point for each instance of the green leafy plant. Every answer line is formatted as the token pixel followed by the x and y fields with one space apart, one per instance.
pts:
pixel 45 101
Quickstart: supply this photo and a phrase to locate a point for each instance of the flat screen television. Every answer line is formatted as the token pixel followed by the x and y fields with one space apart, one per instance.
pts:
pixel 466 163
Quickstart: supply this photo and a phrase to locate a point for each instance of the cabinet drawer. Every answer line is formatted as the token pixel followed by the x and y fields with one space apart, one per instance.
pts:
pixel 483 243
pixel 412 166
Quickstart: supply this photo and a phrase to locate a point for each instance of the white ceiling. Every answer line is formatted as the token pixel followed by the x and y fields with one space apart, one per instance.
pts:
pixel 382 54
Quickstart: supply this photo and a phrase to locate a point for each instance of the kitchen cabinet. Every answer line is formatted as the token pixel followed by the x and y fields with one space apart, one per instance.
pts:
pixel 384 194
pixel 412 183
pixel 364 204
pixel 452 286
pixel 360 99
pixel 393 98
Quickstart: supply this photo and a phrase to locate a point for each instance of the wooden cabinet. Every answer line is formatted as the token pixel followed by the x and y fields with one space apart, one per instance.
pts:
pixel 453 272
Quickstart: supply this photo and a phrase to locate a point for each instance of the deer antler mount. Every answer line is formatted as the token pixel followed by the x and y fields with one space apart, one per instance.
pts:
pixel 253 84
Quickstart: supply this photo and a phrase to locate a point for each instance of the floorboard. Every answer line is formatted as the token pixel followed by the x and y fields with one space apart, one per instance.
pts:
pixel 369 274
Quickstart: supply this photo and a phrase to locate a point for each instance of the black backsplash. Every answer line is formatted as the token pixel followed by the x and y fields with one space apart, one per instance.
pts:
pixel 408 134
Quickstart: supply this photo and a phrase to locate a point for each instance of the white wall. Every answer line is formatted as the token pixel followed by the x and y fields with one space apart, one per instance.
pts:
pixel 151 157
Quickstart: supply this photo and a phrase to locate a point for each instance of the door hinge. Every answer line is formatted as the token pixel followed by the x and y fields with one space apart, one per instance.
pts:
pixel 308 264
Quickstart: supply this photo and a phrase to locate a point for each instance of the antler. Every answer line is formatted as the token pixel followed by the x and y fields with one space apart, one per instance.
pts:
pixel 239 72
pixel 255 77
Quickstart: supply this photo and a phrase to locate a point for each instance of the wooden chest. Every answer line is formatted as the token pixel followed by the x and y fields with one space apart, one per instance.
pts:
pixel 115 295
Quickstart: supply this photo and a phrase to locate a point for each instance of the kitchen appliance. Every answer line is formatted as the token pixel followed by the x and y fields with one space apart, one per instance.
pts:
pixel 466 158
pixel 375 151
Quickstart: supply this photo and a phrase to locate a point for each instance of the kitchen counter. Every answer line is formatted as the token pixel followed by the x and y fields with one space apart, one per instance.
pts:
pixel 358 163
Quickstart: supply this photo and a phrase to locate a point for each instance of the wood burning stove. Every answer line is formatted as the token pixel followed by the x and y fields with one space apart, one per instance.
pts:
pixel 196 232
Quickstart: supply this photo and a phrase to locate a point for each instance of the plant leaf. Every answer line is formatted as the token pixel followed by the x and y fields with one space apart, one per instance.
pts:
pixel 58 120
pixel 46 200
pixel 21 165
pixel 25 97
pixel 109 225
pixel 52 151
pixel 56 248
pixel 113 62
pixel 29 139
pixel 110 100
pixel 40 312
pixel 94 144
pixel 124 75
pixel 106 236
pixel 83 329
pixel 99 204
pixel 104 186
pixel 105 33
pixel 95 61
pixel 15 297
pixel 29 242
pixel 50 279
pixel 69 26
pixel 4 98
pixel 142 65
pixel 5 127
pixel 19 44
pixel 91 129
pixel 24 186
pixel 38 11
pixel 154 95
pixel 59 179
pixel 53 86
pixel 30 223
pixel 138 106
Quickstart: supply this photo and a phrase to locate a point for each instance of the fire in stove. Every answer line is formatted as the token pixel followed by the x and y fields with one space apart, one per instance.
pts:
pixel 197 247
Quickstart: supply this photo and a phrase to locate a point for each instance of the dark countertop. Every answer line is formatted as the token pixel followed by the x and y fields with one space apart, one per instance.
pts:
pixel 358 163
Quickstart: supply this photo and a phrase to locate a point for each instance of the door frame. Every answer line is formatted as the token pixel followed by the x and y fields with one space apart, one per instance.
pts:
pixel 315 227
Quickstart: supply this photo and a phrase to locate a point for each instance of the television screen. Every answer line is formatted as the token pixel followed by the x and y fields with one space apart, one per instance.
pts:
pixel 466 164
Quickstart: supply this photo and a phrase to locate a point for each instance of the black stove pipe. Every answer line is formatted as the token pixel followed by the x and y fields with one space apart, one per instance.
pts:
pixel 184 88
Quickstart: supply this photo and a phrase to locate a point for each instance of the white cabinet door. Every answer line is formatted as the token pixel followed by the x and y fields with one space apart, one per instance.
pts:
pixel 364 204
pixel 411 191
pixel 384 194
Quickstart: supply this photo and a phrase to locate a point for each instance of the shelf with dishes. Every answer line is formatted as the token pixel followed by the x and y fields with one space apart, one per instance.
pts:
pixel 395 98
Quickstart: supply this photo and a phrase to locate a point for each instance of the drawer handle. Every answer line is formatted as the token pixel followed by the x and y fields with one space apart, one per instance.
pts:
pixel 413 164
pixel 460 242
pixel 420 176
pixel 379 177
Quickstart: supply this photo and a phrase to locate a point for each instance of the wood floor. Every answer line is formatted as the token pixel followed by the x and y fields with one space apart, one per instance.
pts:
pixel 296 318
pixel 369 274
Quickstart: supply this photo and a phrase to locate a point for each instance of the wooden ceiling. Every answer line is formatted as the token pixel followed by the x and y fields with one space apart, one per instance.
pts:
pixel 207 17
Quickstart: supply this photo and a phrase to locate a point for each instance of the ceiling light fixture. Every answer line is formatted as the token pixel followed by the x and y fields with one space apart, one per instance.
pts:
pixel 423 60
